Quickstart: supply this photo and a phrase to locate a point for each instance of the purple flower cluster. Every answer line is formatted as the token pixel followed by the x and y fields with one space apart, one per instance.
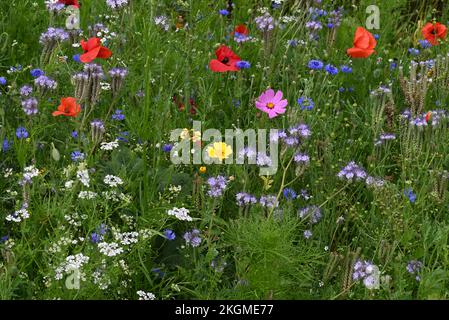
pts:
pixel 414 267
pixel 94 70
pixel 54 7
pixel 365 271
pixel 245 199
pixel 384 137
pixel 259 158
pixel 116 4
pixel 310 212
pixel 314 25
pixel 265 22
pixel 192 238
pixel 118 73
pixel 29 106
pixel 268 201
pixel 293 135
pixel 217 185
pixel 44 82
pixel 352 172
pixel 334 18
pixel 240 37
pixel 301 158
pixel 26 90
pixel 53 35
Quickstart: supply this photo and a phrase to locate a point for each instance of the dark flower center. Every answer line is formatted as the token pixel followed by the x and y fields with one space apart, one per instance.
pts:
pixel 225 60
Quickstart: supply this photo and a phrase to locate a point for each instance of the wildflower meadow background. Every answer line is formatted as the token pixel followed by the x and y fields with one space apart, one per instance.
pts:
pixel 92 205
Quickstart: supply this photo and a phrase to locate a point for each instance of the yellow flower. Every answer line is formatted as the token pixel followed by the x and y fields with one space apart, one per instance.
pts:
pixel 203 169
pixel 219 150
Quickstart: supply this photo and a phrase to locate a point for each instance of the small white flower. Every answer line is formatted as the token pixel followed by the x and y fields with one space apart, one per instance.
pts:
pixel 87 195
pixel 8 172
pixel 68 184
pixel 109 145
pixel 83 177
pixel 145 295
pixel 112 181
pixel 180 213
pixel 110 249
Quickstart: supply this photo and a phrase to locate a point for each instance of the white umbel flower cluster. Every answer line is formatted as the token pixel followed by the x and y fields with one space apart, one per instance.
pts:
pixel 71 263
pixel 145 295
pixel 112 181
pixel 110 249
pixel 180 213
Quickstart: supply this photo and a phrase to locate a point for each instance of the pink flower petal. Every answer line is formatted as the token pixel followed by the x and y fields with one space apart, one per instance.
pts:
pixel 260 105
pixel 277 97
pixel 282 103
pixel 266 96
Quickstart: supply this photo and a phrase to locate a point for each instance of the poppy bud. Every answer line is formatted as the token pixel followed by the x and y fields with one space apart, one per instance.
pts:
pixel 428 116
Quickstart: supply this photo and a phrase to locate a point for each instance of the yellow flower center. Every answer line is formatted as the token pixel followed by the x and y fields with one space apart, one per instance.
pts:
pixel 270 105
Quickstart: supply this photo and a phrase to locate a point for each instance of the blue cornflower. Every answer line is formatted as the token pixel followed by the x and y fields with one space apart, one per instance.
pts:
pixel 3 81
pixel 306 103
pixel 425 44
pixel 223 12
pixel 236 102
pixel 123 136
pixel 413 51
pixel 408 192
pixel 169 234
pixel 36 73
pixel 292 43
pixel 289 194
pixel 167 147
pixel 102 229
pixel 74 134
pixel 77 156
pixel 341 89
pixel 393 65
pixel 21 133
pixel 275 5
pixel 376 36
pixel 331 69
pixel 6 145
pixel 95 237
pixel 315 64
pixel 243 64
pixel 346 69
pixel 76 58
pixel 158 272
pixel 414 267
pixel 118 115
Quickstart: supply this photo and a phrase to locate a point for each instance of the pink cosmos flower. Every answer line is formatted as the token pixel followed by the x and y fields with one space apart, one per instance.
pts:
pixel 271 103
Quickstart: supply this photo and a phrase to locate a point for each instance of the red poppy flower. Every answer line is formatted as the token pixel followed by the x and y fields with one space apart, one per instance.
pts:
pixel 225 61
pixel 364 44
pixel 428 116
pixel 93 49
pixel 241 29
pixel 70 3
pixel 433 32
pixel 68 108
